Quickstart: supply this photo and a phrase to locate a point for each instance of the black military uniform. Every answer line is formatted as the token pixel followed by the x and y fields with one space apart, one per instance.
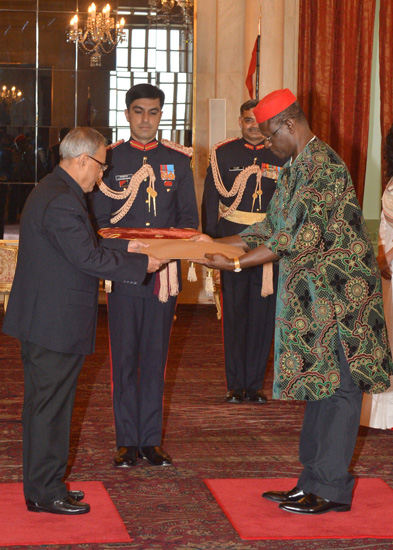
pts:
pixel 139 324
pixel 248 319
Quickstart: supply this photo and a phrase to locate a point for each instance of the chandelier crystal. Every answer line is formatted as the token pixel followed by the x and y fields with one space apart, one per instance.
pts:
pixel 177 13
pixel 100 35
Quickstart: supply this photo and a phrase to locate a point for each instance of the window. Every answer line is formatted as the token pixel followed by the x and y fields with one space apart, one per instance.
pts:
pixel 160 57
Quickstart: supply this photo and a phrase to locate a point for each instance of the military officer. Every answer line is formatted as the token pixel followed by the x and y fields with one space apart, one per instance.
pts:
pixel 233 199
pixel 139 322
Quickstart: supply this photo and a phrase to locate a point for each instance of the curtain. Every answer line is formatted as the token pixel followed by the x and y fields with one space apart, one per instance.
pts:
pixel 386 72
pixel 335 56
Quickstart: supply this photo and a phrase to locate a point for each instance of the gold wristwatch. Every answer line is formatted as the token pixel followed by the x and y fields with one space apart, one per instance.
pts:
pixel 237 265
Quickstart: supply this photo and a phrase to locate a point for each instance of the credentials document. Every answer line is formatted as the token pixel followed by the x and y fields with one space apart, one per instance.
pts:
pixel 172 243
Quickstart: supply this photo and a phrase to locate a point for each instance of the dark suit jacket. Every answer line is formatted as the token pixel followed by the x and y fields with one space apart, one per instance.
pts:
pixel 54 297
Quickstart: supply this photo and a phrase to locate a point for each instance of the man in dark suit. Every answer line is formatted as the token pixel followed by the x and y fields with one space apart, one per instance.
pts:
pixel 53 309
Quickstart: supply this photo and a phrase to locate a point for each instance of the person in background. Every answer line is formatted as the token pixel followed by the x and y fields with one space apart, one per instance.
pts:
pixel 379 406
pixel 248 317
pixel 141 316
pixel 6 172
pixel 331 343
pixel 52 310
pixel 53 152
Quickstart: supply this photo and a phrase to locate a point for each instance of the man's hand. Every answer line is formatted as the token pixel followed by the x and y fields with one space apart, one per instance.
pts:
pixel 155 264
pixel 135 246
pixel 201 238
pixel 216 261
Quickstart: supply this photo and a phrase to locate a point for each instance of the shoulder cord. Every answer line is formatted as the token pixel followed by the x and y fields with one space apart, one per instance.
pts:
pixel 177 147
pixel 146 171
pixel 238 185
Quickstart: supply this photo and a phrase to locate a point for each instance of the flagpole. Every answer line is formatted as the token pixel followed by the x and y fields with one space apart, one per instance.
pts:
pixel 257 61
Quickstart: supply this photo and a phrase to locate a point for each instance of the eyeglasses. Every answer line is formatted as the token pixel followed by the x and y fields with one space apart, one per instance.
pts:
pixel 103 166
pixel 268 139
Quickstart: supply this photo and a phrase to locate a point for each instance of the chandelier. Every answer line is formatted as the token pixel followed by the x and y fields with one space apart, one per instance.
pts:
pixel 100 35
pixel 179 13
pixel 11 95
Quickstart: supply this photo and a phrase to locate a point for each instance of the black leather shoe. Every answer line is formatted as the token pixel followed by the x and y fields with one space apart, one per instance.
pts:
pixel 234 396
pixel 293 495
pixel 76 495
pixel 156 456
pixel 65 506
pixel 312 504
pixel 255 396
pixel 125 457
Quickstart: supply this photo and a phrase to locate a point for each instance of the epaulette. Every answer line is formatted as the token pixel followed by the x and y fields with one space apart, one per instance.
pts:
pixel 224 142
pixel 113 145
pixel 189 151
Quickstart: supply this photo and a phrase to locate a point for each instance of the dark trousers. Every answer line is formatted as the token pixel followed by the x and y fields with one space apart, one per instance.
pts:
pixel 139 330
pixel 328 438
pixel 248 325
pixel 50 384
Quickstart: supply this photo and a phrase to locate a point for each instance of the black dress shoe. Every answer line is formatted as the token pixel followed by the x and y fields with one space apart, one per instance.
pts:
pixel 234 396
pixel 312 504
pixel 293 495
pixel 66 506
pixel 76 495
pixel 255 396
pixel 125 457
pixel 156 456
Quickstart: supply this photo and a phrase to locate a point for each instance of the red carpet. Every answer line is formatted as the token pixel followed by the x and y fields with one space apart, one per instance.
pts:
pixel 20 527
pixel 253 517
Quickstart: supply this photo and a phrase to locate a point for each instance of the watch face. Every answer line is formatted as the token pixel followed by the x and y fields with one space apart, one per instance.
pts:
pixel 237 269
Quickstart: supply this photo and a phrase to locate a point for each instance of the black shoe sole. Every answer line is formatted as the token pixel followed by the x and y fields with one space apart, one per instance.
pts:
pixel 166 463
pixel 36 508
pixel 346 508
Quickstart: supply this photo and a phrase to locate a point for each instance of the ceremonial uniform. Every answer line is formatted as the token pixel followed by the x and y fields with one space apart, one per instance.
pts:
pixel 248 318
pixel 139 324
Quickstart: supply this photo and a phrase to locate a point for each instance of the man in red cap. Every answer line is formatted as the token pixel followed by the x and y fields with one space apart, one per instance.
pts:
pixel 330 338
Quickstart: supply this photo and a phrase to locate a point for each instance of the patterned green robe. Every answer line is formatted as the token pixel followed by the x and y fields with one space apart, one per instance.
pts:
pixel 329 286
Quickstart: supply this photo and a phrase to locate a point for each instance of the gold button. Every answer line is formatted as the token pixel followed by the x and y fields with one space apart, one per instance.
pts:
pixel 147 223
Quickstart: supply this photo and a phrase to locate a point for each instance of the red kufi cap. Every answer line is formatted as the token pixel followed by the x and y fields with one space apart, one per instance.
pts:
pixel 273 104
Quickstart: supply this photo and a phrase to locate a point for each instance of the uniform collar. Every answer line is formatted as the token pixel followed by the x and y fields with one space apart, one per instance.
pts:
pixel 251 147
pixel 143 147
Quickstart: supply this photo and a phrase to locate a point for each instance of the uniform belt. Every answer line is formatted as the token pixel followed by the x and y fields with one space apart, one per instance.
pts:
pixel 240 216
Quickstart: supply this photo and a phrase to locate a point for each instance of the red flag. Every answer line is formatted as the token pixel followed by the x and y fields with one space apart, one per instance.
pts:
pixel 251 69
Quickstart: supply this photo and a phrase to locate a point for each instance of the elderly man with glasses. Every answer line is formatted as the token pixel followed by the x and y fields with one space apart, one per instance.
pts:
pixel 331 342
pixel 52 310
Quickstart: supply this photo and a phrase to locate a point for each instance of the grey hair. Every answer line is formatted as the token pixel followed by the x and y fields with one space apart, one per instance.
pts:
pixel 81 140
